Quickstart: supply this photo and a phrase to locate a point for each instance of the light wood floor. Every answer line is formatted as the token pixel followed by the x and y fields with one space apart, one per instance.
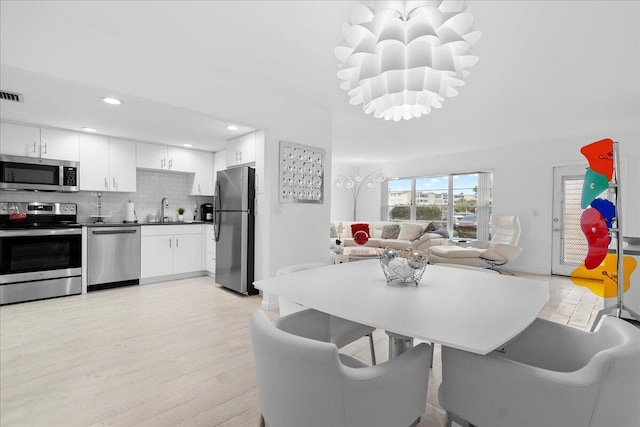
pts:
pixel 173 353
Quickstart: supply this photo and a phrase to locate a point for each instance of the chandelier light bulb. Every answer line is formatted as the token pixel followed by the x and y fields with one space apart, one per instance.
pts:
pixel 340 183
pixel 350 184
pixel 402 58
pixel 358 176
pixel 370 183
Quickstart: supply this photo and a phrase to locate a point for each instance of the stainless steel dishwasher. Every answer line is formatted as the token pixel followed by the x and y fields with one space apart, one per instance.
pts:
pixel 113 257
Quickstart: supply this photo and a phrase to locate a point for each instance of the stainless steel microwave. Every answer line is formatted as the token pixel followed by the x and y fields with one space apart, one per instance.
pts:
pixel 32 173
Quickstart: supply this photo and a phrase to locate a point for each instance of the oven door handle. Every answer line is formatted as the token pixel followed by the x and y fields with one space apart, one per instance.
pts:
pixel 41 232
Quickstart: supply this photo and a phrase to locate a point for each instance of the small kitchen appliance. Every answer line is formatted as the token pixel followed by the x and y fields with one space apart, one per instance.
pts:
pixel 206 212
pixel 32 173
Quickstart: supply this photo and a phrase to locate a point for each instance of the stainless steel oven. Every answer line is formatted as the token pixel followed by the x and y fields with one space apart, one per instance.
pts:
pixel 40 251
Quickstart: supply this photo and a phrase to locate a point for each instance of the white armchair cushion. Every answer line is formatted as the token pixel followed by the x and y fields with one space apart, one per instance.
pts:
pixel 501 252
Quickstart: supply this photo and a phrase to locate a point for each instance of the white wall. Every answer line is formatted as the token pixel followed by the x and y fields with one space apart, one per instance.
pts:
pixel 522 185
pixel 369 199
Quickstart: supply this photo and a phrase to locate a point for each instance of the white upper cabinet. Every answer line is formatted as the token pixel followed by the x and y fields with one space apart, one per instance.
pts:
pixel 122 165
pixel 107 164
pixel 202 183
pixel 21 140
pixel 241 150
pixel 182 160
pixel 162 157
pixel 219 164
pixel 151 156
pixel 59 144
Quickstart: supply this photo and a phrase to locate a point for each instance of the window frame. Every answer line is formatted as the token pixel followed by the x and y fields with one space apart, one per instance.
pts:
pixel 482 207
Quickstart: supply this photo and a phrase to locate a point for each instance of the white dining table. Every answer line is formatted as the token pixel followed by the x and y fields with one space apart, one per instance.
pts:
pixel 465 309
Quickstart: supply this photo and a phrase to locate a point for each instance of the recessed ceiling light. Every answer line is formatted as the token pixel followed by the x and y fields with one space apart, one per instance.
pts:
pixel 112 101
pixel 232 127
pixel 187 145
pixel 86 129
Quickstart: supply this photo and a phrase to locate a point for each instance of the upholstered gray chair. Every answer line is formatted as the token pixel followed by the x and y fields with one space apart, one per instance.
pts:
pixel 479 253
pixel 338 330
pixel 550 375
pixel 305 382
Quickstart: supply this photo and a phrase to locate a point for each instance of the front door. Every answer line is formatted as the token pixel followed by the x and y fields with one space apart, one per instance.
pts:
pixel 569 246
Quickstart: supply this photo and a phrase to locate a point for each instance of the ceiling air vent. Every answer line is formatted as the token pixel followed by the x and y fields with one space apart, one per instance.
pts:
pixel 11 96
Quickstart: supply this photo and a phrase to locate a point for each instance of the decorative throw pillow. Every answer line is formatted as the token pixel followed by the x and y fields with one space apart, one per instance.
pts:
pixel 409 231
pixel 360 237
pixel 359 227
pixel 332 231
pixel 390 231
pixel 431 227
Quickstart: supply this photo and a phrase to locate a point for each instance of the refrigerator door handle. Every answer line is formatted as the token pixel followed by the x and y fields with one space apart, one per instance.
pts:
pixel 216 226
pixel 216 198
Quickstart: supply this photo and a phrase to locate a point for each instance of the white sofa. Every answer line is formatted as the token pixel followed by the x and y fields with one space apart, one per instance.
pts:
pixel 412 235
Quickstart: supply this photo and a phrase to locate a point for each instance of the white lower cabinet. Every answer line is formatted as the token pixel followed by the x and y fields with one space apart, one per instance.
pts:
pixel 171 249
pixel 210 250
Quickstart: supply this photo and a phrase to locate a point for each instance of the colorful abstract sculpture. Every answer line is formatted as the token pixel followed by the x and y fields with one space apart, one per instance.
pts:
pixel 599 154
pixel 596 231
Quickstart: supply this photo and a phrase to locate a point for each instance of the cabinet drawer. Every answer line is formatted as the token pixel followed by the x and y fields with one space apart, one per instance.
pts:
pixel 170 230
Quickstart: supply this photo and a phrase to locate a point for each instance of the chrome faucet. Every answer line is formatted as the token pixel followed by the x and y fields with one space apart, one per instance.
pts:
pixel 164 204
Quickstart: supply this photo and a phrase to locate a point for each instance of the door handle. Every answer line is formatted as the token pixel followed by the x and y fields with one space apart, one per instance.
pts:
pixel 132 231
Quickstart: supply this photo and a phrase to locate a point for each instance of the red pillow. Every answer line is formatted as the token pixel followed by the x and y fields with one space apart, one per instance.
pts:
pixel 360 233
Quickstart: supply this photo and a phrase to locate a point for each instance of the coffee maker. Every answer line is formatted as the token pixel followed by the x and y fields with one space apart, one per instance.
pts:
pixel 206 212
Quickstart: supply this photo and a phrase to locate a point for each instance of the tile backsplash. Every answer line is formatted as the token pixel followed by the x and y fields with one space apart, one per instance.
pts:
pixel 151 187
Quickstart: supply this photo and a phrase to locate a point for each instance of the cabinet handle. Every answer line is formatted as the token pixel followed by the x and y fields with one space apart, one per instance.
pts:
pixel 177 242
pixel 43 151
pixel 169 241
pixel 34 147
pixel 115 184
pixel 170 163
pixel 163 162
pixel 106 184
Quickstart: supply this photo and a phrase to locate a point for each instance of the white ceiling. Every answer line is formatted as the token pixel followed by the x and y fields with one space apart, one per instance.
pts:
pixel 548 70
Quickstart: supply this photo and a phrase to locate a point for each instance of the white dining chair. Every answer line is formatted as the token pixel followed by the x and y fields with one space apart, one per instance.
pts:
pixel 305 382
pixel 549 375
pixel 340 331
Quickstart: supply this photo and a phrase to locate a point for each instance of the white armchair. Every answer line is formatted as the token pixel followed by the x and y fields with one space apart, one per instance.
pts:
pixel 549 375
pixel 303 382
pixel 499 251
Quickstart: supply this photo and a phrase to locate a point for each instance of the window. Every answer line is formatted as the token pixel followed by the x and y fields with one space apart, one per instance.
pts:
pixel 459 202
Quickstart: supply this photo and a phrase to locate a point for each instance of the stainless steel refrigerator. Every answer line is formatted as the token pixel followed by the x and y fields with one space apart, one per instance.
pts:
pixel 234 228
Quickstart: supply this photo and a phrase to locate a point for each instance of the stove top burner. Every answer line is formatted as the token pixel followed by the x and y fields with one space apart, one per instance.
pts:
pixel 24 215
